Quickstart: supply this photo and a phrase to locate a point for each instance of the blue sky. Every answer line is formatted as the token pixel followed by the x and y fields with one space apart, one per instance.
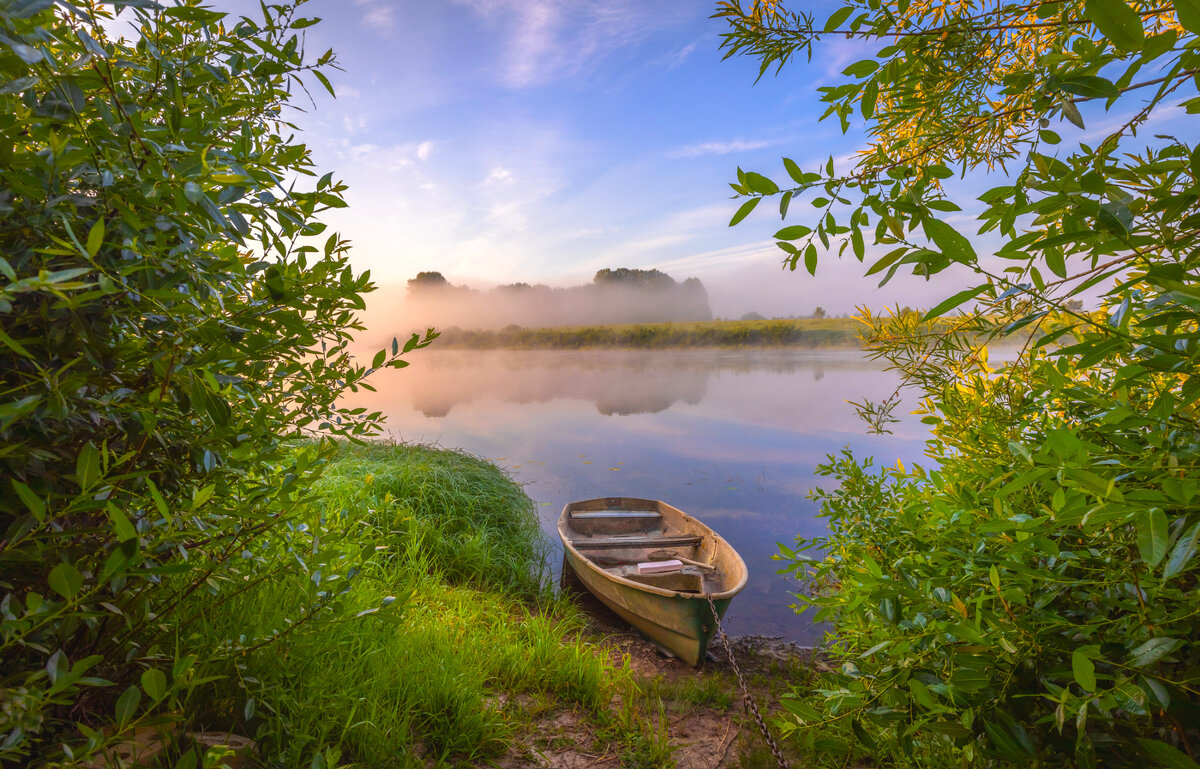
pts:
pixel 540 140
pixel 499 141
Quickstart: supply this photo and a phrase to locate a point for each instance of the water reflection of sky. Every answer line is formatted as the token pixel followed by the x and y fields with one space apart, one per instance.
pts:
pixel 732 437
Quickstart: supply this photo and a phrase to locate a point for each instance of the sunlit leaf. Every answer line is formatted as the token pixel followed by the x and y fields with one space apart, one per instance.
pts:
pixel 1116 21
pixel 744 211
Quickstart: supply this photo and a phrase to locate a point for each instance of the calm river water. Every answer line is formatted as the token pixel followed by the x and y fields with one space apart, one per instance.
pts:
pixel 730 436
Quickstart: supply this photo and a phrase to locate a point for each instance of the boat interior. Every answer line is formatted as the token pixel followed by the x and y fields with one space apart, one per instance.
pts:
pixel 640 542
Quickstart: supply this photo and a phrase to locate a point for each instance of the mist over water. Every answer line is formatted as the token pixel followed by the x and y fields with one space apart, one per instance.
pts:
pixel 615 296
pixel 732 437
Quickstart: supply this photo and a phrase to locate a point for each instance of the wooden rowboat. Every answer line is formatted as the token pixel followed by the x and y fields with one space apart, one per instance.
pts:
pixel 655 566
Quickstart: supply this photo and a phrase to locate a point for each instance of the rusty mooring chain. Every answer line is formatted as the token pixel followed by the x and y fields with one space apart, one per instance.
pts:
pixel 745 690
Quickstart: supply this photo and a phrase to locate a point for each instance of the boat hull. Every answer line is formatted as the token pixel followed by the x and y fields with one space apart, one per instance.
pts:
pixel 681 624
pixel 604 540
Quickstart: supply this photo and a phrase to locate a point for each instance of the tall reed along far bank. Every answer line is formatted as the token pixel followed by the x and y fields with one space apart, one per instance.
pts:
pixel 798 333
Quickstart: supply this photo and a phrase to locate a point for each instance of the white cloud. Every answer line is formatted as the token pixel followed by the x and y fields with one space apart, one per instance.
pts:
pixel 385 158
pixel 680 56
pixel 721 148
pixel 499 175
pixel 724 258
pixel 507 216
pixel 548 40
pixel 378 15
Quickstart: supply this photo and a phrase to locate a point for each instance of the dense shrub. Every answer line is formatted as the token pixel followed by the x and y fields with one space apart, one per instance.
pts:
pixel 1031 599
pixel 167 322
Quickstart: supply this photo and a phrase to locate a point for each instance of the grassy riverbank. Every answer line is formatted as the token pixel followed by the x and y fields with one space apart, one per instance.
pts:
pixel 803 333
pixel 449 649
pixel 448 618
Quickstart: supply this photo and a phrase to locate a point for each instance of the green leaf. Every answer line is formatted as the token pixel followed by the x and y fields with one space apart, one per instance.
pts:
pixel 800 709
pixel 870 96
pixel 122 526
pixel 862 736
pixel 744 211
pixel 793 170
pixel 861 68
pixel 1152 651
pixel 1056 262
pixel 32 501
pixel 154 682
pixel 793 232
pixel 1083 668
pixel 922 694
pixel 325 82
pixel 18 85
pixel 191 13
pixel 761 184
pixel 836 19
pixel 1091 86
pixel 95 237
pixel 87 466
pixel 1116 21
pixel 1071 112
pixel 28 53
pixel 156 495
pixel 952 243
pixel 887 261
pixel 1182 555
pixel 379 359
pixel 65 580
pixel 955 301
pixel 127 705
pixel 1093 182
pixel 1152 535
pixel 1010 739
pixel 810 259
pixel 1166 755
pixel 1188 12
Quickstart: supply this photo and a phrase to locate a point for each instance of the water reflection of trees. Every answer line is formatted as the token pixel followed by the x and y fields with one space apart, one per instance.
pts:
pixel 618 382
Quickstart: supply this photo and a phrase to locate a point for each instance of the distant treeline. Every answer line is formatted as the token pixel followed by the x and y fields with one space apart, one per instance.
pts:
pixel 619 295
pixel 805 332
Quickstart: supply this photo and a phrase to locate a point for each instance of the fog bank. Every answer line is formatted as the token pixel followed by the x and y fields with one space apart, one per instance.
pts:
pixel 614 296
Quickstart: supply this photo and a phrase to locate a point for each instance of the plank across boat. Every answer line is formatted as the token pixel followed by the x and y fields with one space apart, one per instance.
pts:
pixel 604 541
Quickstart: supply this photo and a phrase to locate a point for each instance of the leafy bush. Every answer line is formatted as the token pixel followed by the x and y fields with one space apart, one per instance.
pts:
pixel 167 322
pixel 1031 599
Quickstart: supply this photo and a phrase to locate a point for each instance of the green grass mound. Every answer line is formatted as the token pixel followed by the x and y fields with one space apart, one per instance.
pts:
pixel 445 617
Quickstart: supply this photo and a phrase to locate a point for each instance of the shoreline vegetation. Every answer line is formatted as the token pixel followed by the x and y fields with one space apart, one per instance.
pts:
pixel 814 333
pixel 449 645
pixel 779 333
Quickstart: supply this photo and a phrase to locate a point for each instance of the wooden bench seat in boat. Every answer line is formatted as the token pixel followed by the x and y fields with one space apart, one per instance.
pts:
pixel 615 514
pixel 636 542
